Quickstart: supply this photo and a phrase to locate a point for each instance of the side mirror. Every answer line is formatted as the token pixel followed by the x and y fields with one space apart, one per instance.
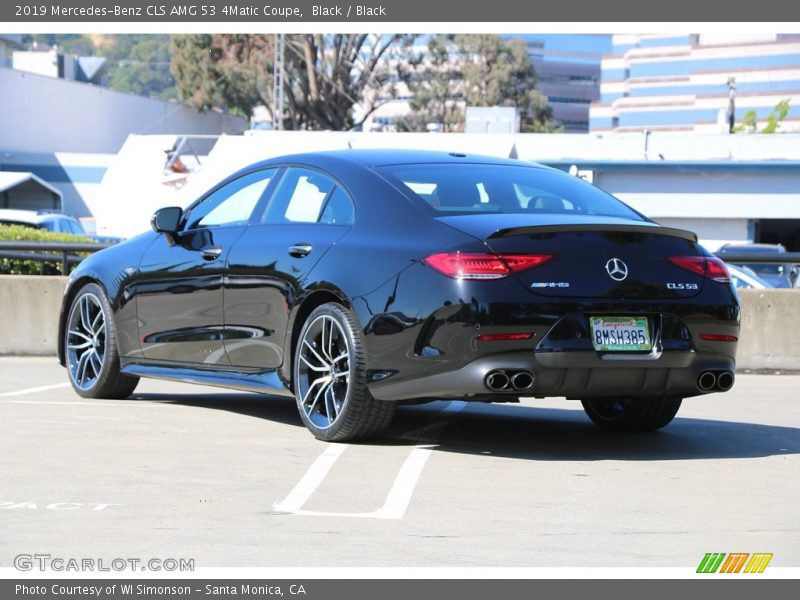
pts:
pixel 166 220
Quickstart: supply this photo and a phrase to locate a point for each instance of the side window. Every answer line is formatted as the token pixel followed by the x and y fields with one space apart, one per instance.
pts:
pixel 233 203
pixel 75 228
pixel 339 209
pixel 299 197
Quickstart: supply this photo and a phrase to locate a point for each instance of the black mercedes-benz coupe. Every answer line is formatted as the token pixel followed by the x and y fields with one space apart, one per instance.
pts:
pixel 354 280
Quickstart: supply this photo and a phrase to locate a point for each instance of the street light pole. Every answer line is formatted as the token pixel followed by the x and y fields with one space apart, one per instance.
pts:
pixel 278 72
pixel 731 103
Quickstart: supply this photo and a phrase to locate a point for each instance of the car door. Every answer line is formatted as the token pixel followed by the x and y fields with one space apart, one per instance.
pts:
pixel 268 266
pixel 179 292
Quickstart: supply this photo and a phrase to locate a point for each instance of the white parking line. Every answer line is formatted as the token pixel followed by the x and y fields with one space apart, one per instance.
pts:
pixel 310 481
pixel 34 390
pixel 400 494
pixel 42 422
pixel 119 404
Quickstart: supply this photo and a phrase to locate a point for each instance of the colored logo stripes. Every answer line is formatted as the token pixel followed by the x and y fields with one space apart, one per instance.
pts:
pixel 734 562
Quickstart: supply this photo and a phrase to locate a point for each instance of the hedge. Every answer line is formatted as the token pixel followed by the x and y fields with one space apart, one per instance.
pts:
pixel 13 266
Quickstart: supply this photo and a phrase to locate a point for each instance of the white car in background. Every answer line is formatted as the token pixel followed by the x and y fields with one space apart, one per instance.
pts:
pixel 744 278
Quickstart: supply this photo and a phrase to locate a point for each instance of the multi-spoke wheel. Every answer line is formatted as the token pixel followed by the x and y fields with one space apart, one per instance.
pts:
pixel 90 347
pixel 330 378
pixel 632 414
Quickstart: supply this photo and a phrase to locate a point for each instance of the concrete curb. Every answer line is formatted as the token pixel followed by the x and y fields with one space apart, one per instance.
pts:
pixel 30 306
pixel 769 338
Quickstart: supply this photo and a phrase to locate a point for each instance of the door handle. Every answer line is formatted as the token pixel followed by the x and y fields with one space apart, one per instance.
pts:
pixel 300 250
pixel 212 253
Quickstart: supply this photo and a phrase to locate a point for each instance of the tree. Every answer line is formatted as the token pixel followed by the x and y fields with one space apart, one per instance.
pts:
pixel 774 119
pixel 474 70
pixel 79 45
pixel 143 68
pixel 227 71
pixel 138 64
pixel 326 76
pixel 436 86
pixel 777 115
pixel 499 72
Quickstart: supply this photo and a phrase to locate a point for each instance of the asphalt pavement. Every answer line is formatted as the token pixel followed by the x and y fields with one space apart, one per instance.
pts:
pixel 234 479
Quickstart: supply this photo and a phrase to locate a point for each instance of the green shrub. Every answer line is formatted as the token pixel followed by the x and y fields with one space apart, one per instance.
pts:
pixel 14 266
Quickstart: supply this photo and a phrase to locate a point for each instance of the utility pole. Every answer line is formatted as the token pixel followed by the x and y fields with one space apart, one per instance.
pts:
pixel 278 73
pixel 731 103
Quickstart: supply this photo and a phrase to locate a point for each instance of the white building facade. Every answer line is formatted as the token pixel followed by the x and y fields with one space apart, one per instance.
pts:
pixel 683 82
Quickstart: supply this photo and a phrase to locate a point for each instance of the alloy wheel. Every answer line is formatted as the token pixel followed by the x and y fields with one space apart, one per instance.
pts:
pixel 86 341
pixel 323 371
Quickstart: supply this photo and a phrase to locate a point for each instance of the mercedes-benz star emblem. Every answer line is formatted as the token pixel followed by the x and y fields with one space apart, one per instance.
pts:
pixel 616 269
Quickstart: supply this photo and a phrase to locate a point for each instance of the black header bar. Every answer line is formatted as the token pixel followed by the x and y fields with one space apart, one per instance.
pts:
pixel 411 11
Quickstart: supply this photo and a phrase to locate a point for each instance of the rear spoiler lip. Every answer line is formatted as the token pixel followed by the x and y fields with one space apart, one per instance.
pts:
pixel 632 228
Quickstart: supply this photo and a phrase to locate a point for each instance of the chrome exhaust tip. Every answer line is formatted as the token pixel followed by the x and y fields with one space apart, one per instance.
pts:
pixel 522 380
pixel 498 381
pixel 706 381
pixel 725 380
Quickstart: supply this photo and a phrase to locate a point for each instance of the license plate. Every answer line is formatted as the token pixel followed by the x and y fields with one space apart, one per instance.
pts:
pixel 620 334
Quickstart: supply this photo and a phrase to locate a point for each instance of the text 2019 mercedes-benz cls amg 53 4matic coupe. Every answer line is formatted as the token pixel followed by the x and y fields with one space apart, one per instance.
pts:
pixel 354 280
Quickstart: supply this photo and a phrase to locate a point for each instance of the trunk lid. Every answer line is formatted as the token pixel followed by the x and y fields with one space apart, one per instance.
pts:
pixel 592 256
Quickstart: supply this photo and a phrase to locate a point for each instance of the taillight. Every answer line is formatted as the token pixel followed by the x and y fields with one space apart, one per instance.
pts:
pixel 717 270
pixel 462 265
pixel 708 267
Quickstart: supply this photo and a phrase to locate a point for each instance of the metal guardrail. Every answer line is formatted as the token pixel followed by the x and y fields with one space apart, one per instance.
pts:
pixel 766 259
pixel 36 251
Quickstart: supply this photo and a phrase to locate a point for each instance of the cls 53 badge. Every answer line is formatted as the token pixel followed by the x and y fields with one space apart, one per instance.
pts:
pixel 681 286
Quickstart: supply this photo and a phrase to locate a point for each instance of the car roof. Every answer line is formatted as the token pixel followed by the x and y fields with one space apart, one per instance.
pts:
pixel 26 216
pixel 753 248
pixel 383 157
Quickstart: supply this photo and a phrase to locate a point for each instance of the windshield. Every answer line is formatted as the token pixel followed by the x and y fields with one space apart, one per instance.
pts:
pixel 767 270
pixel 478 188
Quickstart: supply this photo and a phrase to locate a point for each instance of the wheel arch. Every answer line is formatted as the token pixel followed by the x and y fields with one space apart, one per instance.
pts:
pixel 73 287
pixel 316 297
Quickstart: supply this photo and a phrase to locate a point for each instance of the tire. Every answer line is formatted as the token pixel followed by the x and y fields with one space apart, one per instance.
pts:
pixel 90 347
pixel 330 379
pixel 632 414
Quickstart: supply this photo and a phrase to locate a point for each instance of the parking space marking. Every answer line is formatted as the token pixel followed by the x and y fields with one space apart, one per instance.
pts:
pixel 42 422
pixel 400 494
pixel 120 404
pixel 34 390
pixel 311 480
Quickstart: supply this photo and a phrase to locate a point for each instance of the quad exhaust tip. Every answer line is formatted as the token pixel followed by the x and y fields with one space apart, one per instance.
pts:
pixel 720 381
pixel 522 380
pixel 498 381
pixel 707 381
pixel 501 380
pixel 725 381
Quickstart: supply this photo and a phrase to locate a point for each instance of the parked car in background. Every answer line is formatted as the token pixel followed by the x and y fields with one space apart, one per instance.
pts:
pixel 780 275
pixel 42 219
pixel 745 278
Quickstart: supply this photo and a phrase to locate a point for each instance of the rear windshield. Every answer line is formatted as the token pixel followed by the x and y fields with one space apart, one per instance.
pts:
pixel 478 188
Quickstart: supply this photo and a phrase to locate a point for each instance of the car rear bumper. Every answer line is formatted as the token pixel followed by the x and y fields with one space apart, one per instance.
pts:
pixel 430 341
pixel 571 374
